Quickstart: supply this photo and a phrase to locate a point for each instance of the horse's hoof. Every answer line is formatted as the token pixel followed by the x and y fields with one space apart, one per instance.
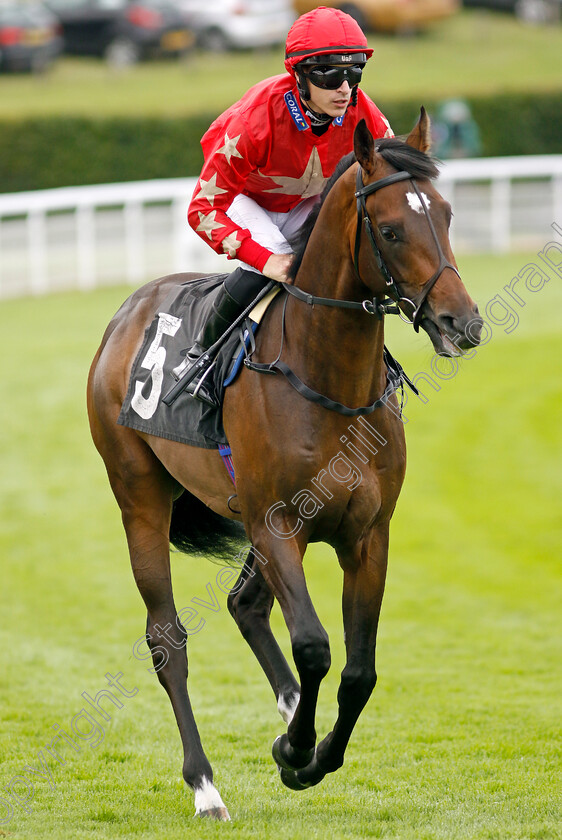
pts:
pixel 290 779
pixel 287 757
pixel 304 778
pixel 208 802
pixel 215 814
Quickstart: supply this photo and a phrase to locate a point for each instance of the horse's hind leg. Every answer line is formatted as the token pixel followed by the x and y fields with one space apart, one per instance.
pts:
pixel 250 603
pixel 144 491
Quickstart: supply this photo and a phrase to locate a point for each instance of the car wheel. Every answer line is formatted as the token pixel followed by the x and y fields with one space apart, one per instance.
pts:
pixel 357 15
pixel 213 40
pixel 122 52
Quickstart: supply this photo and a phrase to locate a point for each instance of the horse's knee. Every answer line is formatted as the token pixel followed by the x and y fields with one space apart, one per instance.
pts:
pixel 312 655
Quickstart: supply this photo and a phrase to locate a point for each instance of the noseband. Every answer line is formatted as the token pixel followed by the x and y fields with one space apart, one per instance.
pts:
pixel 393 289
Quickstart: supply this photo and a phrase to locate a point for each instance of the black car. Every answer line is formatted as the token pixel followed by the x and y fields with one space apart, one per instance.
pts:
pixel 29 37
pixel 122 31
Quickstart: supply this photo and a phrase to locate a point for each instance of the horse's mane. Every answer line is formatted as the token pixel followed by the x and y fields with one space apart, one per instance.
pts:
pixel 396 152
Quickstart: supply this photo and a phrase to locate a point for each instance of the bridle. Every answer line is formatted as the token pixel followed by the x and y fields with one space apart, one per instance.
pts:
pixel 391 304
pixel 363 218
pixel 396 376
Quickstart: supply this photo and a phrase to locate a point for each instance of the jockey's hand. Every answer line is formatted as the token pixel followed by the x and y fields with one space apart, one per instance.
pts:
pixel 277 267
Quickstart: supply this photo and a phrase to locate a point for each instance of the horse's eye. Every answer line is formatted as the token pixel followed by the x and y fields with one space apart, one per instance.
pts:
pixel 388 234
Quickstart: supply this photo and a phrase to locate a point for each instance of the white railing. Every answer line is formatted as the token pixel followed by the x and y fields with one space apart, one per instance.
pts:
pixel 502 203
pixel 86 237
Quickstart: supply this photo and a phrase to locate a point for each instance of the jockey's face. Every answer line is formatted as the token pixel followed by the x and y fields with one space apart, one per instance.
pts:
pixel 331 102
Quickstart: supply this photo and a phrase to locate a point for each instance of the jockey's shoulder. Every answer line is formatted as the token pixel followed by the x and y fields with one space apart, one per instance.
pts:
pixel 255 109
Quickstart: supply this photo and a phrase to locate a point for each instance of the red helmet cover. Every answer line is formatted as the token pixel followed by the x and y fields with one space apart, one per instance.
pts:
pixel 323 31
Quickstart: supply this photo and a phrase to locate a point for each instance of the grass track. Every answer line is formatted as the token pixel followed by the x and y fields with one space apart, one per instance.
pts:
pixel 461 738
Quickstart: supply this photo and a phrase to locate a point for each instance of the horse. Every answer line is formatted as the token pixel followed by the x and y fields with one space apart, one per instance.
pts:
pixel 378 243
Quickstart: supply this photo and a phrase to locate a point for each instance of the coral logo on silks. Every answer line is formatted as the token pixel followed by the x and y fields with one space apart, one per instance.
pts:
pixel 295 111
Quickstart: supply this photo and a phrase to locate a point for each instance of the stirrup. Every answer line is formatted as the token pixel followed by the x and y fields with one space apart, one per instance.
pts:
pixel 188 362
pixel 198 389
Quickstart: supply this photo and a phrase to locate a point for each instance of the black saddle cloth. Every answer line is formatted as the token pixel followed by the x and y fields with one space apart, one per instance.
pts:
pixel 173 330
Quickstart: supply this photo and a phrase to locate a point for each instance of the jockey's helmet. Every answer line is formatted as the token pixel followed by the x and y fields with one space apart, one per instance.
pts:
pixel 326 46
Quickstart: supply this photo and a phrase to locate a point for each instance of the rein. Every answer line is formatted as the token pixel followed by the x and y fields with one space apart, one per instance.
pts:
pixel 372 307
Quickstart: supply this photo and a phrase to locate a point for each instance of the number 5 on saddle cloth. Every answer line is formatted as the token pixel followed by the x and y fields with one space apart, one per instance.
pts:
pixel 155 402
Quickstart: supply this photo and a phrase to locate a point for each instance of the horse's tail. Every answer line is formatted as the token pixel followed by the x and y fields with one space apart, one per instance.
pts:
pixel 196 529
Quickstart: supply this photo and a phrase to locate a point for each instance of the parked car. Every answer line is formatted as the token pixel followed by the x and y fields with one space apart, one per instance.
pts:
pixel 388 15
pixel 532 11
pixel 238 24
pixel 30 37
pixel 123 31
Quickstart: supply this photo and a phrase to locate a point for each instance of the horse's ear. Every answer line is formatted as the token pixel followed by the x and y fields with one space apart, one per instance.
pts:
pixel 364 147
pixel 420 136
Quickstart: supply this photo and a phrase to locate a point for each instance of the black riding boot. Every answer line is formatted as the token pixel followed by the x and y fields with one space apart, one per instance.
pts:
pixel 225 310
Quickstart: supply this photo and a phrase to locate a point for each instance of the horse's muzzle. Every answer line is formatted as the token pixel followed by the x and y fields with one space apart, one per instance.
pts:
pixel 452 335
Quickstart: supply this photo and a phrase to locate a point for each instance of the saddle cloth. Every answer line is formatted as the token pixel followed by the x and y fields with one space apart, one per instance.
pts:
pixel 173 330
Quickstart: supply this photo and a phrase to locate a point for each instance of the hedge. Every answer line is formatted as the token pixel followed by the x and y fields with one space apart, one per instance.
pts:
pixel 510 123
pixel 62 151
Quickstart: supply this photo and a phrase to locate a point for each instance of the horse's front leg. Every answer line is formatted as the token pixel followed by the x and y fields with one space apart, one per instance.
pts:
pixel 284 575
pixel 364 579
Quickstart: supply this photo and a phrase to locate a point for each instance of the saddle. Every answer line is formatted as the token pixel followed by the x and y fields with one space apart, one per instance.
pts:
pixel 171 333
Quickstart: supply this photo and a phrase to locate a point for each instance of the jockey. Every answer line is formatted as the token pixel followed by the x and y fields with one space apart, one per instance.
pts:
pixel 268 157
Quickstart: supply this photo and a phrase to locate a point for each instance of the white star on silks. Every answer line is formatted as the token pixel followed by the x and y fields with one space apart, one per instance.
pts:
pixel 230 244
pixel 229 149
pixel 389 132
pixel 209 189
pixel 310 183
pixel 208 223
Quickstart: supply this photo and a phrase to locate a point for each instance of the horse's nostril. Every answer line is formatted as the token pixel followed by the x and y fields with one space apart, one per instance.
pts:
pixel 465 332
pixel 448 325
pixel 473 329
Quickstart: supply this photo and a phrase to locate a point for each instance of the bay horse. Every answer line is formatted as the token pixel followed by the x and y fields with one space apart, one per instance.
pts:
pixel 381 231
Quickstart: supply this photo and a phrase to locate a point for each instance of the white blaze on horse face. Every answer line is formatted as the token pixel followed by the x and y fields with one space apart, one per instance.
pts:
pixel 415 203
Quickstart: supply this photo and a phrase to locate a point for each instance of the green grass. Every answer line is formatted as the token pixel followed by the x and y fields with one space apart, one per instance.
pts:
pixel 472 53
pixel 461 738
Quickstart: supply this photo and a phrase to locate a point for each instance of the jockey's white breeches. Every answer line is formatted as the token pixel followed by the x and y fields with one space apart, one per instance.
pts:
pixel 274 231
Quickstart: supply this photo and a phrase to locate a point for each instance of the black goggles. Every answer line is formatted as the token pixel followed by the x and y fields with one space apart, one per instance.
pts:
pixel 331 78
